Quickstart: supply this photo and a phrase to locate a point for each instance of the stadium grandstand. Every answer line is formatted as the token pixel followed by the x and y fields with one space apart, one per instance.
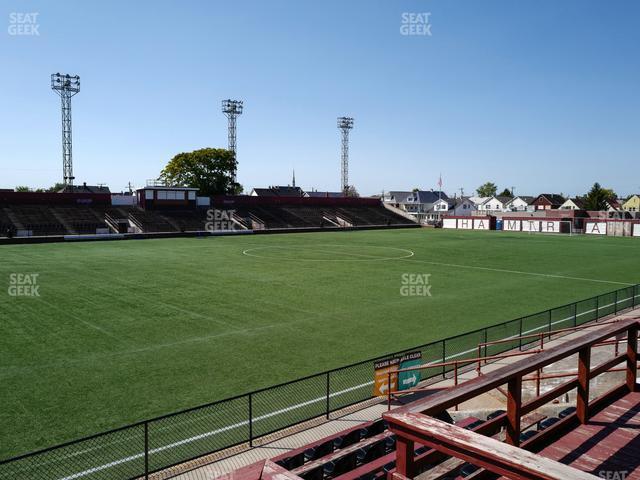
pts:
pixel 179 210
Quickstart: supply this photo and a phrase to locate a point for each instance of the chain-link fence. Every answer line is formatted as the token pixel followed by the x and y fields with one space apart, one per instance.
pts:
pixel 137 450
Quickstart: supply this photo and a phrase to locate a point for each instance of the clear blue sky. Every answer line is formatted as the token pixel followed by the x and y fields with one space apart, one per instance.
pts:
pixel 540 95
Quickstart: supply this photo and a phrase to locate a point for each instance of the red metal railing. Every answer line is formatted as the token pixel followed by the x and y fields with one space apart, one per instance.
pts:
pixel 414 423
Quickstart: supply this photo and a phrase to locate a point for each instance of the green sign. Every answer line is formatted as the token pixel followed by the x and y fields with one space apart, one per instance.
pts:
pixel 411 379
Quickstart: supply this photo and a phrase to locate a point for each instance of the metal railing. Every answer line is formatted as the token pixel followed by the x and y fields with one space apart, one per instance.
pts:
pixel 137 450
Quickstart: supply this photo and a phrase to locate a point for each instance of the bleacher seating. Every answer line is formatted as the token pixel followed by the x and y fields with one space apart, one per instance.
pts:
pixel 187 220
pixel 360 216
pixel 80 219
pixel 295 216
pixel 87 219
pixel 38 219
pixel 363 452
pixel 150 222
pixel 6 225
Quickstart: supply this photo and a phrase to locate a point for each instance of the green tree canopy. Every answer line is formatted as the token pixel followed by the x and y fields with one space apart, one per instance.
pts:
pixel 22 188
pixel 597 197
pixel 489 189
pixel 55 188
pixel 210 170
pixel 506 193
pixel 351 191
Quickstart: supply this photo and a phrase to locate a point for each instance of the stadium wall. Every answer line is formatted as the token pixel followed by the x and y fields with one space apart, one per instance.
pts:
pixel 469 223
pixel 548 224
pixel 612 227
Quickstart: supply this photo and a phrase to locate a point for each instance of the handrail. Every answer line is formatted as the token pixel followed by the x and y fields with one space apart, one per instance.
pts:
pixel 413 423
pixel 480 450
pixel 476 386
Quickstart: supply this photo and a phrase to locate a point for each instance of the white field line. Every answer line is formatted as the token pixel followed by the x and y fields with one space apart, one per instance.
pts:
pixel 214 432
pixel 294 407
pixel 519 272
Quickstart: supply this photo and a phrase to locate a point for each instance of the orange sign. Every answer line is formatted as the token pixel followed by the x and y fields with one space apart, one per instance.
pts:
pixel 382 376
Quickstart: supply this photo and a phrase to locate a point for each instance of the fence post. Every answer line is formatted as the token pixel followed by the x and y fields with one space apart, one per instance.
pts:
pixel 520 335
pixel 575 314
pixel 616 303
pixel 635 289
pixel 597 308
pixel 250 420
pixel 328 390
pixel 444 354
pixel 550 324
pixel 486 339
pixel 146 450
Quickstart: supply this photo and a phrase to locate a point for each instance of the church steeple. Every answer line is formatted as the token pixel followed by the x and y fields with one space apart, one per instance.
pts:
pixel 294 178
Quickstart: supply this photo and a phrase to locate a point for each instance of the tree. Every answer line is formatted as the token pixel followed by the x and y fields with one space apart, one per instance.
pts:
pixel 22 188
pixel 210 170
pixel 56 188
pixel 489 189
pixel 351 191
pixel 416 189
pixel 597 197
pixel 609 193
pixel 506 193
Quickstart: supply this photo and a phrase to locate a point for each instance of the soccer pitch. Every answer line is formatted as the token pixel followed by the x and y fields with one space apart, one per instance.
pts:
pixel 126 330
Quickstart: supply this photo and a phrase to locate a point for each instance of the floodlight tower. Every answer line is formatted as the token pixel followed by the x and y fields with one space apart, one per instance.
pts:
pixel 345 124
pixel 66 86
pixel 232 108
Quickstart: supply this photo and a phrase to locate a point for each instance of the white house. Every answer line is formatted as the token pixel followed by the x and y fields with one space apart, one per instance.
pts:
pixel 572 204
pixel 477 201
pixel 520 203
pixel 494 204
pixel 420 204
pixel 463 207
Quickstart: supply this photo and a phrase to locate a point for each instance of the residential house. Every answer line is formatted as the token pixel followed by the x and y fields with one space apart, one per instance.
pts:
pixel 278 191
pixel 478 201
pixel 84 188
pixel 494 204
pixel 613 205
pixel 439 208
pixel 317 194
pixel 632 204
pixel 573 204
pixel 419 204
pixel 462 207
pixel 521 203
pixel 548 201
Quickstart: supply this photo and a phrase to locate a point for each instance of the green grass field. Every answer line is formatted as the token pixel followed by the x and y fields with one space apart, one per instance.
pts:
pixel 128 330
